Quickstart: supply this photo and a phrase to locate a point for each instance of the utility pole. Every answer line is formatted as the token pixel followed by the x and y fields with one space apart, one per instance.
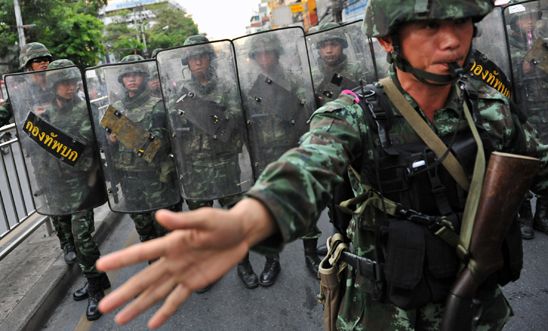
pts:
pixel 19 22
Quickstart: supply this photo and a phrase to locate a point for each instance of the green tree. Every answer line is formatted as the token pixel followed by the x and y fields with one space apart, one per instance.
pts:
pixel 69 28
pixel 121 39
pixel 172 28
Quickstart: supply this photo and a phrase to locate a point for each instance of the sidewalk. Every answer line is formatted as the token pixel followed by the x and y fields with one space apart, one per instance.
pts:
pixel 34 276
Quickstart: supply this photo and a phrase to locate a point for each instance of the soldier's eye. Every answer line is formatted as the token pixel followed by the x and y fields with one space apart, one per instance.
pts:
pixel 432 25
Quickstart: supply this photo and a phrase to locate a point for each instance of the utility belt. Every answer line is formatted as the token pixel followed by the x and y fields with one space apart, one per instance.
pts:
pixel 415 263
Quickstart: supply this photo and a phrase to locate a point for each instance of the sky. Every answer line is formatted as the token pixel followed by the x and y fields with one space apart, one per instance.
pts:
pixel 221 19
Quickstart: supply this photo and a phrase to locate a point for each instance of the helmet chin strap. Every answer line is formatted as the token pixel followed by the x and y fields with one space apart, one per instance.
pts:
pixel 423 76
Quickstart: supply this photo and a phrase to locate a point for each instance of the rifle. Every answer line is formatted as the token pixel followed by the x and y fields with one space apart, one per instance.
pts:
pixel 507 179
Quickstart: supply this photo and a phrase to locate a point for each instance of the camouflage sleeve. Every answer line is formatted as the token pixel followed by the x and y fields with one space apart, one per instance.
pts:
pixel 296 188
pixel 508 134
pixel 5 113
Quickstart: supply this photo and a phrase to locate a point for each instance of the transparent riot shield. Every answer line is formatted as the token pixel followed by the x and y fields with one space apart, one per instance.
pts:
pixel 277 91
pixel 528 40
pixel 131 127
pixel 489 61
pixel 200 85
pixel 340 58
pixel 56 134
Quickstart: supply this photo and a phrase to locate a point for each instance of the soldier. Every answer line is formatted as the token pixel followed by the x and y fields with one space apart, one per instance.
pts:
pixel 332 60
pixel 147 111
pixel 67 110
pixel 272 136
pixel 208 156
pixel 36 57
pixel 532 84
pixel 424 40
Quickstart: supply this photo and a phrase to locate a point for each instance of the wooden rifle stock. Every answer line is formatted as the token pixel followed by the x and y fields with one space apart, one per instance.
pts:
pixel 507 179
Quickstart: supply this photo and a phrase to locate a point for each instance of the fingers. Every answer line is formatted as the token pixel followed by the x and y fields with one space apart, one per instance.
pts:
pixel 146 251
pixel 196 219
pixel 154 293
pixel 173 301
pixel 134 286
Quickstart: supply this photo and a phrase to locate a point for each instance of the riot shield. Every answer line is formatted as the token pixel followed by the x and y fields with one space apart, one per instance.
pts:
pixel 340 59
pixel 528 41
pixel 200 85
pixel 489 61
pixel 131 127
pixel 277 91
pixel 56 135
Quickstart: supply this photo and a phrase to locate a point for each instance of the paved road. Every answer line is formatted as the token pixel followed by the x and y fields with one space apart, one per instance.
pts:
pixel 289 304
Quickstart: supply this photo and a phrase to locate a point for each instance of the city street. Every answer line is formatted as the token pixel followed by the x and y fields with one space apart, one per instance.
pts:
pixel 290 304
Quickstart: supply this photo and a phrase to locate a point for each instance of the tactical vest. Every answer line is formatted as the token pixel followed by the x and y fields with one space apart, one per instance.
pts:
pixel 419 266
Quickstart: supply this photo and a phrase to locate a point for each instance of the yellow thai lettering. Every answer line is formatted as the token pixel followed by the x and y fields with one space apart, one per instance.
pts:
pixel 73 155
pixel 66 151
pixel 35 131
pixel 478 70
pixel 48 140
pixel 29 126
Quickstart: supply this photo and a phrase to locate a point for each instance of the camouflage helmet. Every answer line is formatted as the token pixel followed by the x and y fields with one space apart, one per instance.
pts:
pixel 331 33
pixel 197 50
pixel 519 11
pixel 56 76
pixel 382 17
pixel 265 42
pixel 32 51
pixel 155 52
pixel 140 68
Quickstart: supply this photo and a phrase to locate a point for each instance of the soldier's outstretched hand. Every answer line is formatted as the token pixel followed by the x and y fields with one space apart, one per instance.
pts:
pixel 203 246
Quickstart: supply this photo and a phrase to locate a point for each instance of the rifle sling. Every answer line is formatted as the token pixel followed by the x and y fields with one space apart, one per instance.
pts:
pixel 449 162
pixel 429 137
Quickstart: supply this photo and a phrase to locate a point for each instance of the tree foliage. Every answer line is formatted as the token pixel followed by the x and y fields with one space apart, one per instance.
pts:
pixel 69 28
pixel 172 26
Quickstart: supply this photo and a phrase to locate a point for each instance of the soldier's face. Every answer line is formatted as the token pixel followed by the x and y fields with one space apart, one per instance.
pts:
pixel 133 81
pixel 266 59
pixel 432 45
pixel 199 64
pixel 39 64
pixel 330 51
pixel 67 89
pixel 526 23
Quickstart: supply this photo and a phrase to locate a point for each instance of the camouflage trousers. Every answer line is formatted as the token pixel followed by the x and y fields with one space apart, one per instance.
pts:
pixel 358 311
pixel 225 202
pixel 79 227
pixel 146 225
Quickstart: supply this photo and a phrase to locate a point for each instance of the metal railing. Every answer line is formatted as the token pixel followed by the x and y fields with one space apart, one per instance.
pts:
pixel 15 194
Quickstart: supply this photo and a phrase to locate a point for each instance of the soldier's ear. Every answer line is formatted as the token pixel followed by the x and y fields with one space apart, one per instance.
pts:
pixel 386 43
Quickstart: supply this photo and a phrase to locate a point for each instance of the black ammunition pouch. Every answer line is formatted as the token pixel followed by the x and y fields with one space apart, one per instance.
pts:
pixel 512 252
pixel 420 267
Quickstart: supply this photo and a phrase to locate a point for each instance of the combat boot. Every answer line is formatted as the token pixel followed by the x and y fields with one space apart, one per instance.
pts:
pixel 246 273
pixel 526 221
pixel 311 256
pixel 96 293
pixel 270 272
pixel 82 293
pixel 69 254
pixel 540 222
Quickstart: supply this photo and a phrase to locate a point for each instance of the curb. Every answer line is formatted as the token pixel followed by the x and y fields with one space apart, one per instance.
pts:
pixel 38 304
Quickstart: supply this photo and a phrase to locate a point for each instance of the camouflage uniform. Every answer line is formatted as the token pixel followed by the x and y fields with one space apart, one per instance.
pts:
pixel 198 170
pixel 148 112
pixel 296 188
pixel 342 66
pixel 531 85
pixel 28 53
pixel 77 227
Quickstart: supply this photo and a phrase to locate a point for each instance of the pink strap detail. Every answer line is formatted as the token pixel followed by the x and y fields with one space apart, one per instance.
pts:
pixel 352 94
